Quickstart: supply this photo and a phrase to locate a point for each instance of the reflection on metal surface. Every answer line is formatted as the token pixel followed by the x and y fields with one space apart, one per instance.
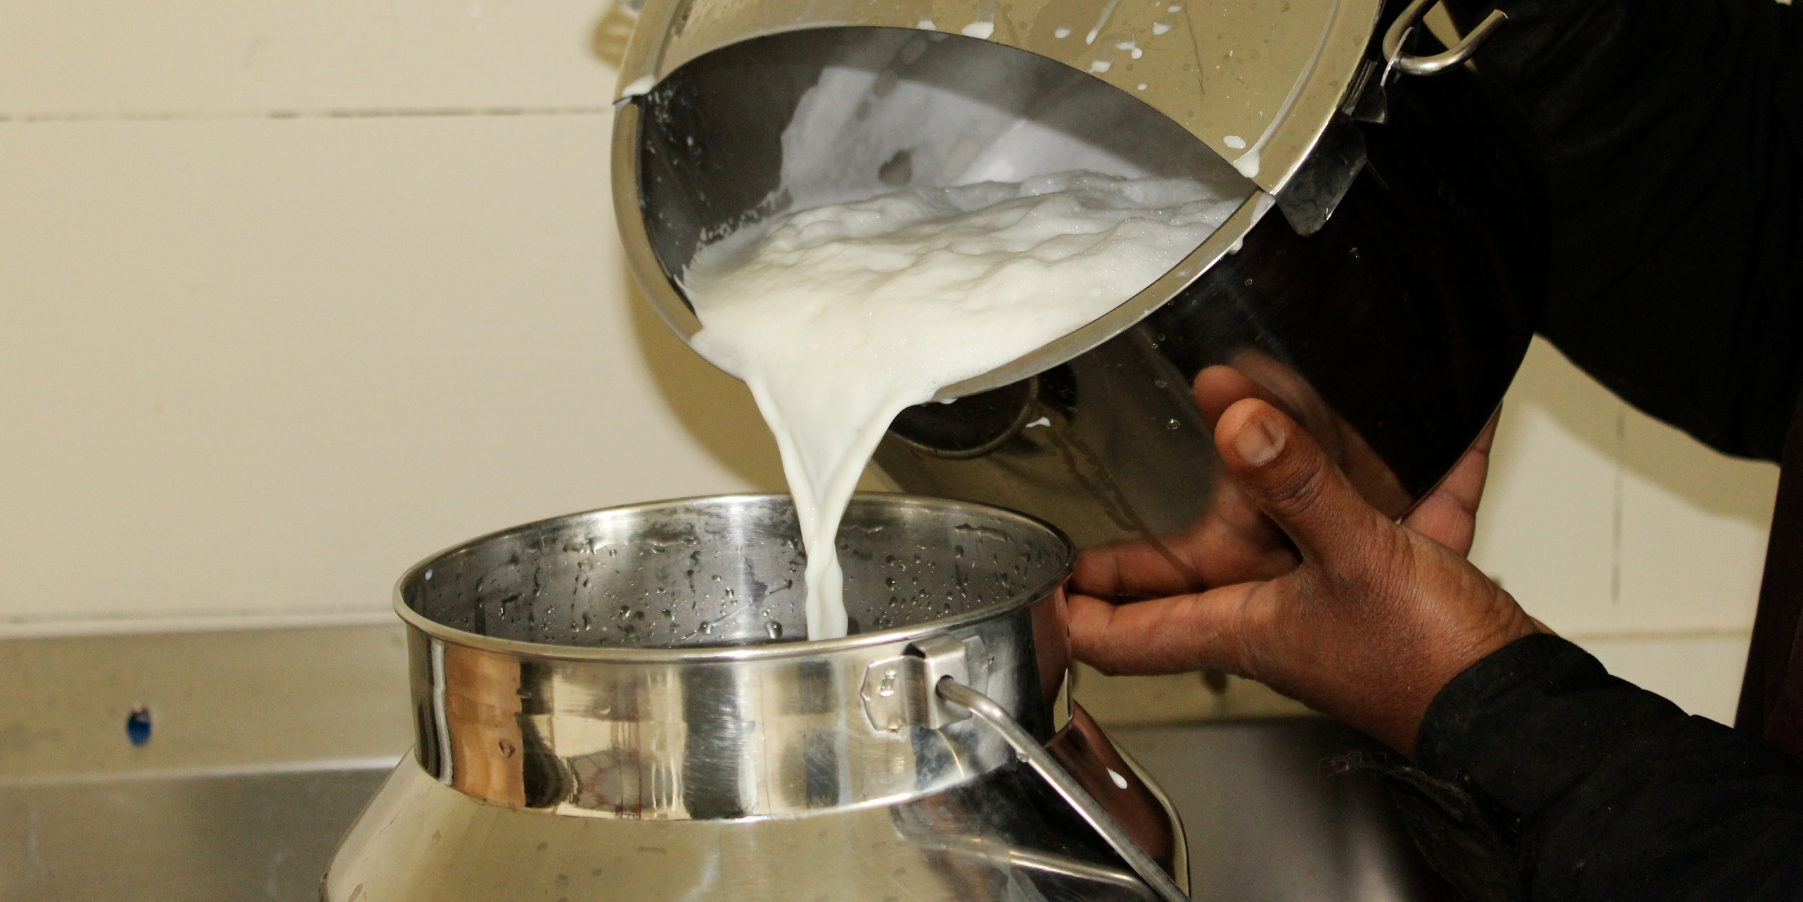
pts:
pixel 1265 819
pixel 1042 761
pixel 1268 819
pixel 1310 198
pixel 1254 81
pixel 422 840
pixel 1001 854
pixel 574 732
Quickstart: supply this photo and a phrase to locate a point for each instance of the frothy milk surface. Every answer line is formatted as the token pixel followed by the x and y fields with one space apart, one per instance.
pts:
pixel 840 316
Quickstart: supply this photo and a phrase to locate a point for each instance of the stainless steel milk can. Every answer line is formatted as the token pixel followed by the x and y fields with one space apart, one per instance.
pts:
pixel 613 706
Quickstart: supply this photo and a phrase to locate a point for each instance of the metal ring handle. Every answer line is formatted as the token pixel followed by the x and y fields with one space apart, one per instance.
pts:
pixel 1036 756
pixel 1428 65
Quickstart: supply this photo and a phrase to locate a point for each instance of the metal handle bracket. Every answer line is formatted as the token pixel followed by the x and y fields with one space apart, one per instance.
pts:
pixel 1410 64
pixel 898 692
pixel 927 687
pixel 1036 756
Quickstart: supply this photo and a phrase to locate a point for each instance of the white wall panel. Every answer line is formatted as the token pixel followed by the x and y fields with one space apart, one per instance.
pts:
pixel 1693 530
pixel 260 367
pixel 248 57
pixel 1626 535
pixel 1699 672
pixel 1546 524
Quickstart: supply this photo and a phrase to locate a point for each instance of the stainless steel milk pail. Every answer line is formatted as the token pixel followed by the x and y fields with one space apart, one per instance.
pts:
pixel 616 705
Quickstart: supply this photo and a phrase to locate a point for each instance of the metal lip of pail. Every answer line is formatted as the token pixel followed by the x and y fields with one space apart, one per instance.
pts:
pixel 1025 597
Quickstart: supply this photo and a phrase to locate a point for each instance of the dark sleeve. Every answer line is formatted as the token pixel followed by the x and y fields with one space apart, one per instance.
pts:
pixel 1539 769
pixel 1671 133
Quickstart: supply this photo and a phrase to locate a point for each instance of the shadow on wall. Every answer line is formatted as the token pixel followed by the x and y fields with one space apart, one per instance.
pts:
pixel 715 408
pixel 608 43
pixel 1660 454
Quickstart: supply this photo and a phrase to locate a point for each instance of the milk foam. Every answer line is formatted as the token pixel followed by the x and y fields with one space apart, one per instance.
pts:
pixel 838 317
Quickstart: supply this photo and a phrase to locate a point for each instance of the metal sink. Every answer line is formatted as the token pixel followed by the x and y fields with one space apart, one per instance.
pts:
pixel 1266 823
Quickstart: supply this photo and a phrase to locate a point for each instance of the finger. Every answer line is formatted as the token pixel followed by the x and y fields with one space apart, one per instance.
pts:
pixel 1160 566
pixel 1218 386
pixel 1286 474
pixel 1448 513
pixel 1137 569
pixel 1233 542
pixel 1165 635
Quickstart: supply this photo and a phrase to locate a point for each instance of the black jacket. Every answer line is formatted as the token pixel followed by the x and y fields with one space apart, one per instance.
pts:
pixel 1672 132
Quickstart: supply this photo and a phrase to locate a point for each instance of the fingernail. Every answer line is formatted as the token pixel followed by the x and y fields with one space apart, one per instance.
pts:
pixel 1258 442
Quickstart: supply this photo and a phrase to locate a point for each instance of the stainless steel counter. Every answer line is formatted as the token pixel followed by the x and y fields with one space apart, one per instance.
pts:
pixel 196 838
pixel 1265 823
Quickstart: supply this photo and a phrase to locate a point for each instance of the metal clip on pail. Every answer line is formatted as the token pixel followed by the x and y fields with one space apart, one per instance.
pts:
pixel 613 706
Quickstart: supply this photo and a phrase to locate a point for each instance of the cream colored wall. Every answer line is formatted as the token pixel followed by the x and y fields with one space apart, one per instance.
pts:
pixel 1626 535
pixel 293 294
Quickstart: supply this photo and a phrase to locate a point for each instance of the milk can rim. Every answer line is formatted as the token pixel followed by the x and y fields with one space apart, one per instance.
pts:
pixel 694 654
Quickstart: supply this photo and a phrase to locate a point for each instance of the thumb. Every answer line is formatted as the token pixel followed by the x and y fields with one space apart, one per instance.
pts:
pixel 1292 480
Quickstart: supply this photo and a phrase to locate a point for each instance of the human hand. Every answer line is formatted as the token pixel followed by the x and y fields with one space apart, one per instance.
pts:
pixel 1232 540
pixel 1367 622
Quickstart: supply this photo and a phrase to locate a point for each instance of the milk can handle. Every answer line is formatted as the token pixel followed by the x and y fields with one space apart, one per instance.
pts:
pixel 985 708
pixel 1394 58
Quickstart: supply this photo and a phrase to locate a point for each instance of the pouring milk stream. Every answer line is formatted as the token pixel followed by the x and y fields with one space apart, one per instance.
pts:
pixel 840 316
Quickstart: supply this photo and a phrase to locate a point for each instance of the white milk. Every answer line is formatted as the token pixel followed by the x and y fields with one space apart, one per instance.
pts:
pixel 840 316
